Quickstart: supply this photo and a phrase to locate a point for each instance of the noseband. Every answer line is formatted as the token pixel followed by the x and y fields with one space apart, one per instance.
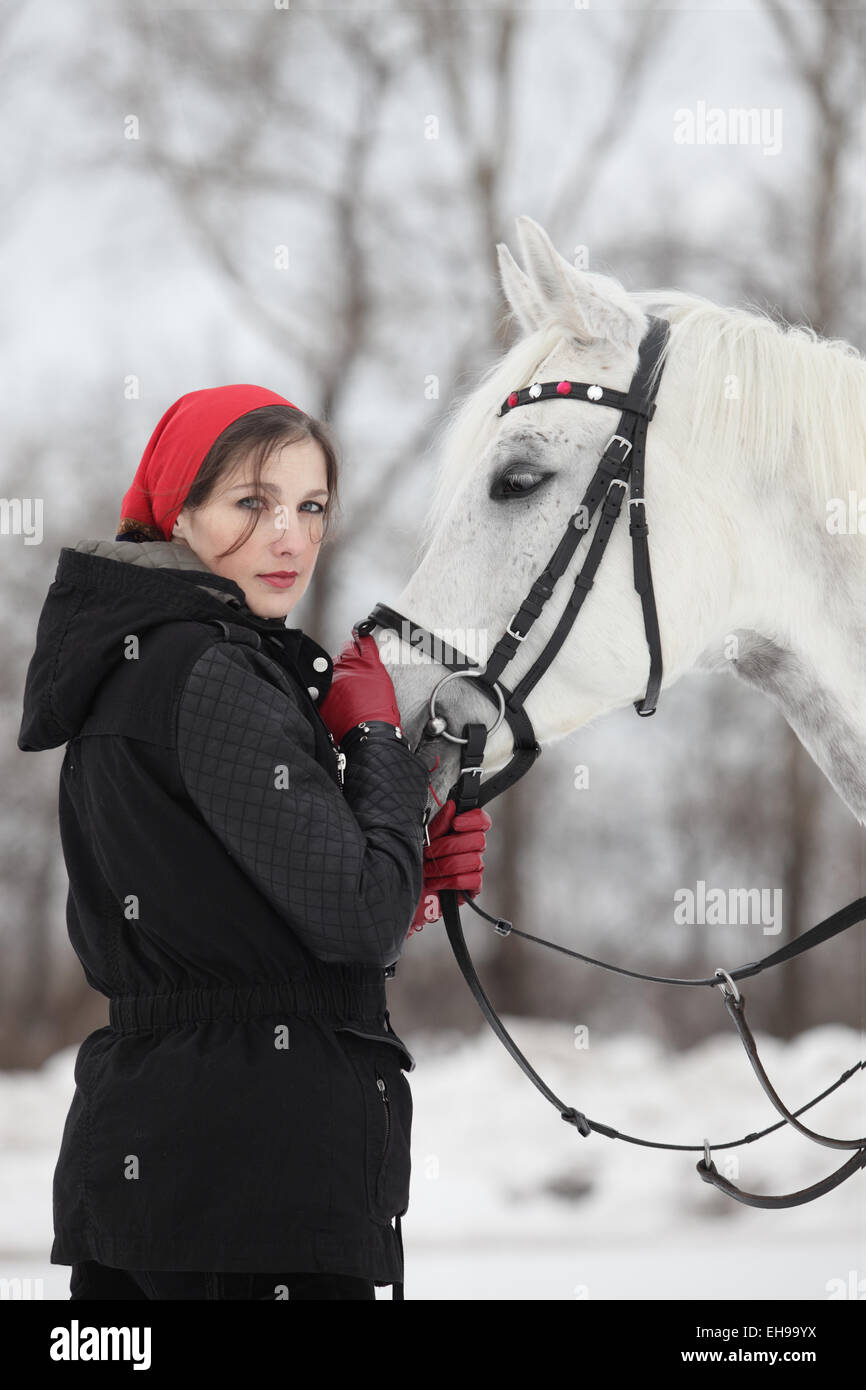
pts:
pixel 621 464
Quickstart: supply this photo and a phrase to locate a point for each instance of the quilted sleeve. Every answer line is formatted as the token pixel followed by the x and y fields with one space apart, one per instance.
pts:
pixel 343 867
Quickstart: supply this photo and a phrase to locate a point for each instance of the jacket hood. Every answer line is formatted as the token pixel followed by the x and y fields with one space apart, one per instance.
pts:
pixel 103 591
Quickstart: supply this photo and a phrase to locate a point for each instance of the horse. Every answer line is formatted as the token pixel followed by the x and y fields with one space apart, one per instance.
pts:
pixel 755 493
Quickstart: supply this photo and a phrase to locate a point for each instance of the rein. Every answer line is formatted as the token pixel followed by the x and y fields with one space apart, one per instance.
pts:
pixel 621 466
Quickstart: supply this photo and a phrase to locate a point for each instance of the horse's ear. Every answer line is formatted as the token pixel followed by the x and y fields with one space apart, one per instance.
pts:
pixel 596 306
pixel 519 291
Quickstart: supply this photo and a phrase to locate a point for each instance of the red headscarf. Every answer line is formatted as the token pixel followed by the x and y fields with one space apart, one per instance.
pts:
pixel 176 450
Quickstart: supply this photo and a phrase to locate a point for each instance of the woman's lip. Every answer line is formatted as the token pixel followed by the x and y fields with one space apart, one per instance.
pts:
pixel 278 581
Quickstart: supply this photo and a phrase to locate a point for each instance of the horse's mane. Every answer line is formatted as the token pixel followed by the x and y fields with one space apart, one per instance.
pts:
pixel 795 389
pixel 791 382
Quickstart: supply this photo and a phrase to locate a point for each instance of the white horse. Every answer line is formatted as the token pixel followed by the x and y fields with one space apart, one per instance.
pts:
pixel 755 498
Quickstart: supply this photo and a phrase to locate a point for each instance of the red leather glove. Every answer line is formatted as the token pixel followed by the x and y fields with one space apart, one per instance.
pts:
pixel 453 859
pixel 360 689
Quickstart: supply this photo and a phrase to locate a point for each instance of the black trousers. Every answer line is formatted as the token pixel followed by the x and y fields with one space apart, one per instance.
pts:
pixel 91 1280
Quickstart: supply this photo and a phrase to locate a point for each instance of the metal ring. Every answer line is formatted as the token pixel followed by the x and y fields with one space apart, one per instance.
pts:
pixel 733 992
pixel 455 738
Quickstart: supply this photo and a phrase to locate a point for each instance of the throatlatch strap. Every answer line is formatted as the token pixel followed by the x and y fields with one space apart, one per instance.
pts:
pixel 639 532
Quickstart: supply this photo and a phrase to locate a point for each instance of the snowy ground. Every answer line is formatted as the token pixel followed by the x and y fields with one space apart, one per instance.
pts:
pixel 508 1202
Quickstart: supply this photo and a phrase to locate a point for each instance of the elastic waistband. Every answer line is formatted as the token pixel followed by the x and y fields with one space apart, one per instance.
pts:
pixel 341 997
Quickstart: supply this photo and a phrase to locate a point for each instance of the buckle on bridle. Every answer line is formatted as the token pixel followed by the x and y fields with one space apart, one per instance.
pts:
pixel 518 636
pixel 621 439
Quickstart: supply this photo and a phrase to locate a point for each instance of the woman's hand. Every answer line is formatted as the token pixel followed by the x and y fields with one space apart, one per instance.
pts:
pixel 453 859
pixel 360 689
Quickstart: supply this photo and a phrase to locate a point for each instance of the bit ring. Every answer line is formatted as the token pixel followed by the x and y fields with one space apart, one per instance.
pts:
pixel 455 738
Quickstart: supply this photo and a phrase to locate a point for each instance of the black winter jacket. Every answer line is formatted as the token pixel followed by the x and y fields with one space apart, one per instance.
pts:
pixel 238 897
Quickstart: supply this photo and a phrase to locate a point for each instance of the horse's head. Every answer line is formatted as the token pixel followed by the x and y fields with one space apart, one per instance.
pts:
pixel 505 491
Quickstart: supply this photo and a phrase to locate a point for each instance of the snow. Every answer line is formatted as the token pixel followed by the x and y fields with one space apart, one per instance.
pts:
pixel 509 1202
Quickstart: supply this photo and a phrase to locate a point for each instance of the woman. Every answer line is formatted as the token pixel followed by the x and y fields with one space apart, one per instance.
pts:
pixel 238 885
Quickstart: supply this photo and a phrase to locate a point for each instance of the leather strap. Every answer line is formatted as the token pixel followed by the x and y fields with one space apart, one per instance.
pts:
pixel 710 1174
pixel 418 637
pixel 609 484
pixel 848 916
pixel 736 1007
pixel 632 400
pixel 465 789
pixel 639 532
pixel 586 1126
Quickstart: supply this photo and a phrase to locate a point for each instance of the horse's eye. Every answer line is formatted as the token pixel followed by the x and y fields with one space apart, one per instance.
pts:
pixel 517 481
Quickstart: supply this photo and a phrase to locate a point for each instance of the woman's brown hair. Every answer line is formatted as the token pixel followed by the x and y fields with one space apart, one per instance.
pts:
pixel 258 433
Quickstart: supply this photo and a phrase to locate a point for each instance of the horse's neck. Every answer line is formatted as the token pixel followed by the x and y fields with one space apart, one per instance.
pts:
pixel 799 620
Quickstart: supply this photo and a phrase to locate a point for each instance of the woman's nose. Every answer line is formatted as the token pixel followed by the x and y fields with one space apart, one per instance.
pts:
pixel 291 532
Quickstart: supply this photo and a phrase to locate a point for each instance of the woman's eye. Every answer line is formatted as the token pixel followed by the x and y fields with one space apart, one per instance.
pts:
pixel 263 500
pixel 517 482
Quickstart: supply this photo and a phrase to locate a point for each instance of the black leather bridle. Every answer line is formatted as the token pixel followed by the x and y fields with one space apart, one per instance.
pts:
pixel 621 464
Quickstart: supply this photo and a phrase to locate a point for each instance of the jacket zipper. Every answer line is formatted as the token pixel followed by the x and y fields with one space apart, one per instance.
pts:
pixel 341 760
pixel 383 1090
